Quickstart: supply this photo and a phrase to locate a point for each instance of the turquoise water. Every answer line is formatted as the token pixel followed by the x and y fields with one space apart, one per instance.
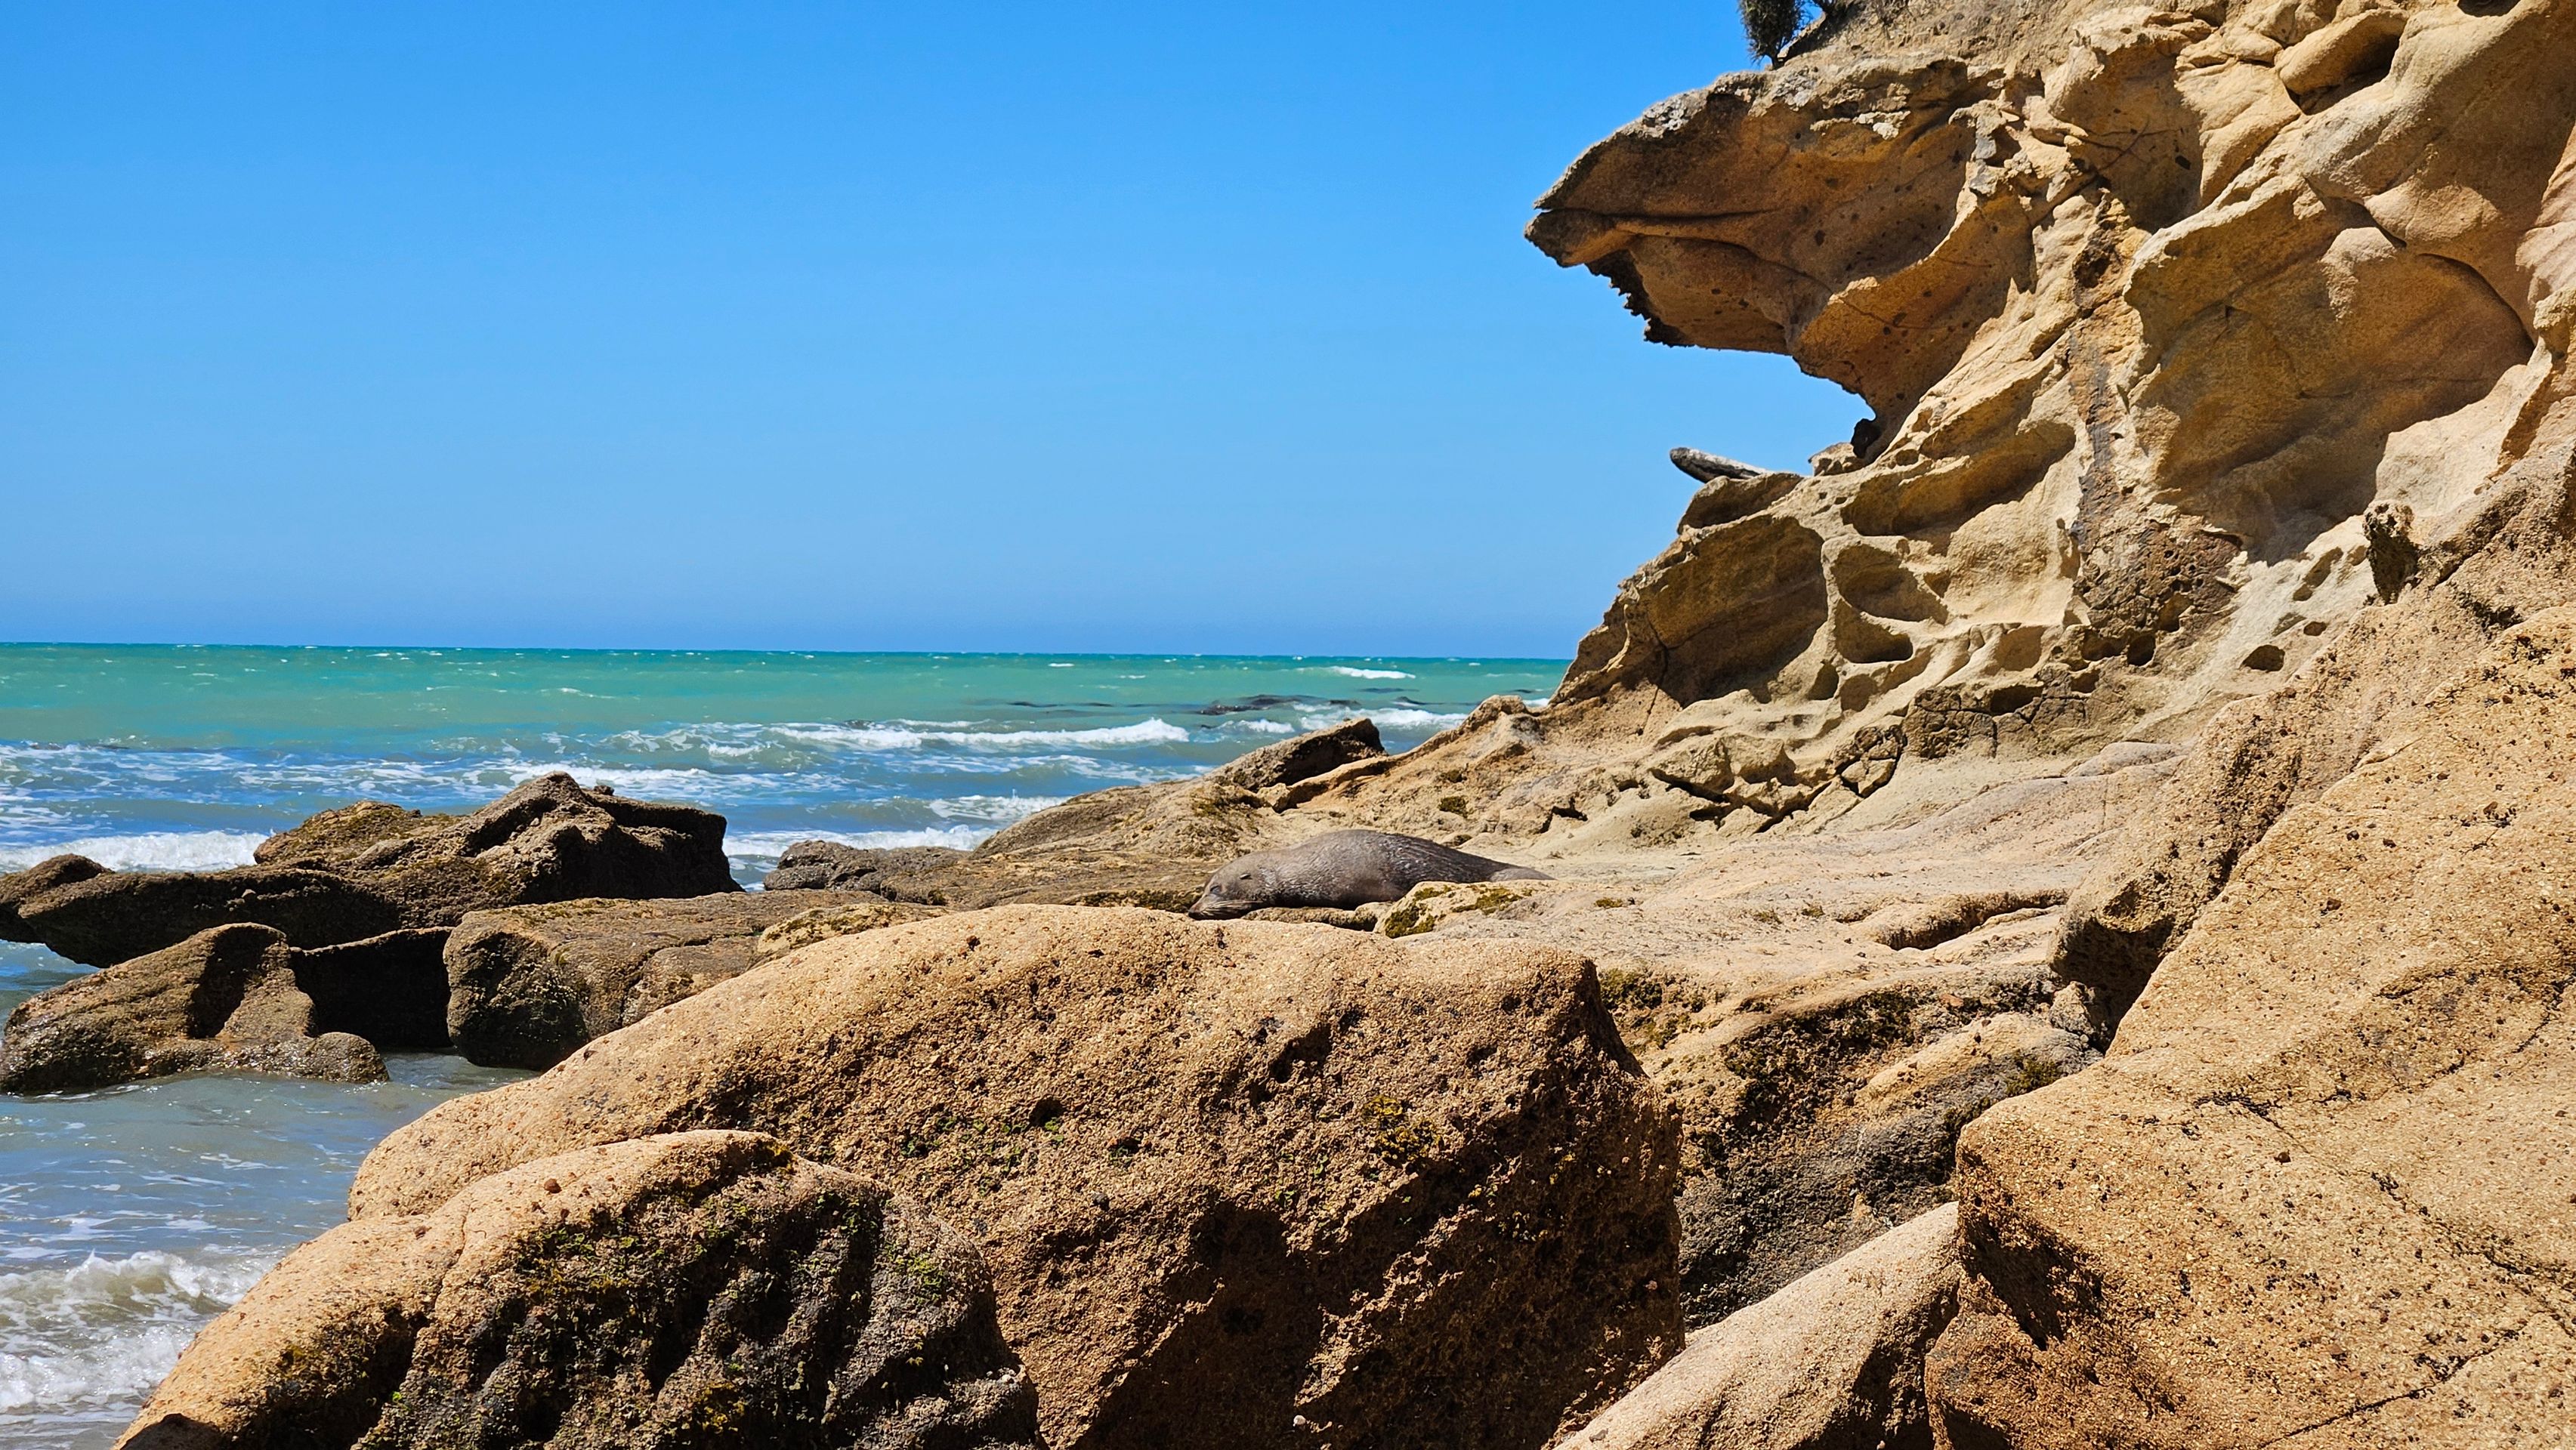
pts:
pixel 128 1218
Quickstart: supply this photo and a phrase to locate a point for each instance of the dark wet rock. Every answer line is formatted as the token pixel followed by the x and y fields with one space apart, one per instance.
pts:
pixel 831 866
pixel 226 999
pixel 687 1290
pixel 371 868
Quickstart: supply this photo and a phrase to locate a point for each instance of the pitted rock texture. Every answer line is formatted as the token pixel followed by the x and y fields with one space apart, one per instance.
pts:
pixel 691 1289
pixel 2186 333
pixel 2319 1192
pixel 526 985
pixel 1226 1176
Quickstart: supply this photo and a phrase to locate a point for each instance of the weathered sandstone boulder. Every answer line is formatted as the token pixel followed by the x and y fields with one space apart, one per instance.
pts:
pixel 2322 1190
pixel 691 1289
pixel 1832 1362
pixel 372 868
pixel 231 998
pixel 1241 1184
pixel 526 985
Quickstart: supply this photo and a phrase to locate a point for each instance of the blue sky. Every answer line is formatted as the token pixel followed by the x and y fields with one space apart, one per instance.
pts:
pixel 854 326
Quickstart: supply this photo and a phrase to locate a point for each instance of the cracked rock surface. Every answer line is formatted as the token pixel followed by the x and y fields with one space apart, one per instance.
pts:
pixel 2322 1190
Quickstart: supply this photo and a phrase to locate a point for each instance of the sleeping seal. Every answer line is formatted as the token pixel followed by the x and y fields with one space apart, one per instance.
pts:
pixel 1344 868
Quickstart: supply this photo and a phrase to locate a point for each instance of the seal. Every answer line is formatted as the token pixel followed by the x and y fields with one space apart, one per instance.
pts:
pixel 1344 868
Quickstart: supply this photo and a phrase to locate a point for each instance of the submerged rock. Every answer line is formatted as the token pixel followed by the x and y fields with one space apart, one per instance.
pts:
pixel 230 998
pixel 1225 1176
pixel 683 1290
pixel 527 985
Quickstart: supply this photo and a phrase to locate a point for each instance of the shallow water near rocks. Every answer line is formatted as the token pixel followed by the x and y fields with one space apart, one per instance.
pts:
pixel 129 1218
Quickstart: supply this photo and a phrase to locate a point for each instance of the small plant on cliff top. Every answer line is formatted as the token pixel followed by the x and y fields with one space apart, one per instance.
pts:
pixel 1769 25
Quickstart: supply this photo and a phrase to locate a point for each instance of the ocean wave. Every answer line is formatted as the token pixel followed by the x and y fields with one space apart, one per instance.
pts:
pixel 144 851
pixel 1402 717
pixel 1001 808
pixel 1260 727
pixel 768 846
pixel 1357 673
pixel 104 1331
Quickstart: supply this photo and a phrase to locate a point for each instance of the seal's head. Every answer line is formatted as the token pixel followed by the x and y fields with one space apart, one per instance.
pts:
pixel 1237 887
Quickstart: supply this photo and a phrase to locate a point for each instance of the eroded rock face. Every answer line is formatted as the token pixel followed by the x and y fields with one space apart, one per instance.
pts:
pixel 527 985
pixel 1834 1360
pixel 231 998
pixel 2186 333
pixel 371 868
pixel 1225 1175
pixel 2318 1192
pixel 688 1289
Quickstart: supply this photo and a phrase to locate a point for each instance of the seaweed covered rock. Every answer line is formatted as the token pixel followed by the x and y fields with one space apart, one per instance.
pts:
pixel 1239 1184
pixel 684 1290
pixel 371 868
pixel 526 985
pixel 230 998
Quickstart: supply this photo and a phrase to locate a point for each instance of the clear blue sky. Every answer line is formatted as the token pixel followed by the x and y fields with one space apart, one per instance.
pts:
pixel 852 326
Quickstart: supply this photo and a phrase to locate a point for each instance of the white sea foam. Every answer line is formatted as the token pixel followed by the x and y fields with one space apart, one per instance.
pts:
pixel 761 849
pixel 144 851
pixel 96 1335
pixel 1356 673
pixel 1002 808
pixel 1401 717
pixel 1262 727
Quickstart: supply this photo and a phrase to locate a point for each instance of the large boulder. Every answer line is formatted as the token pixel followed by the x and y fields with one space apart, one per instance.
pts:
pixel 371 868
pixel 1832 1362
pixel 687 1290
pixel 2318 1192
pixel 526 985
pixel 229 998
pixel 1239 1184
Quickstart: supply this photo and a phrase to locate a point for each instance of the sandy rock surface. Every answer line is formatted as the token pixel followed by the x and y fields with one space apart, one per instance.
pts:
pixel 1833 1360
pixel 1240 1184
pixel 2323 1189
pixel 689 1289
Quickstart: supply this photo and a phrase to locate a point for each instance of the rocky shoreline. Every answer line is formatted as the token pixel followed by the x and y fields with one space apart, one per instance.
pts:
pixel 2055 931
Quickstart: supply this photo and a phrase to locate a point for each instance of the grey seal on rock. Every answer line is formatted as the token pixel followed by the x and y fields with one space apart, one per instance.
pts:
pixel 1344 868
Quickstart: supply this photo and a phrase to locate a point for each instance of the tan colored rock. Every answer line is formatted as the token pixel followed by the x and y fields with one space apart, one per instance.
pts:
pixel 2319 1193
pixel 226 999
pixel 529 984
pixel 682 1290
pixel 1833 1360
pixel 1225 1175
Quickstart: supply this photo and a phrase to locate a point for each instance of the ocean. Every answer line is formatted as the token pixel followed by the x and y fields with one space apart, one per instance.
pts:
pixel 130 1217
